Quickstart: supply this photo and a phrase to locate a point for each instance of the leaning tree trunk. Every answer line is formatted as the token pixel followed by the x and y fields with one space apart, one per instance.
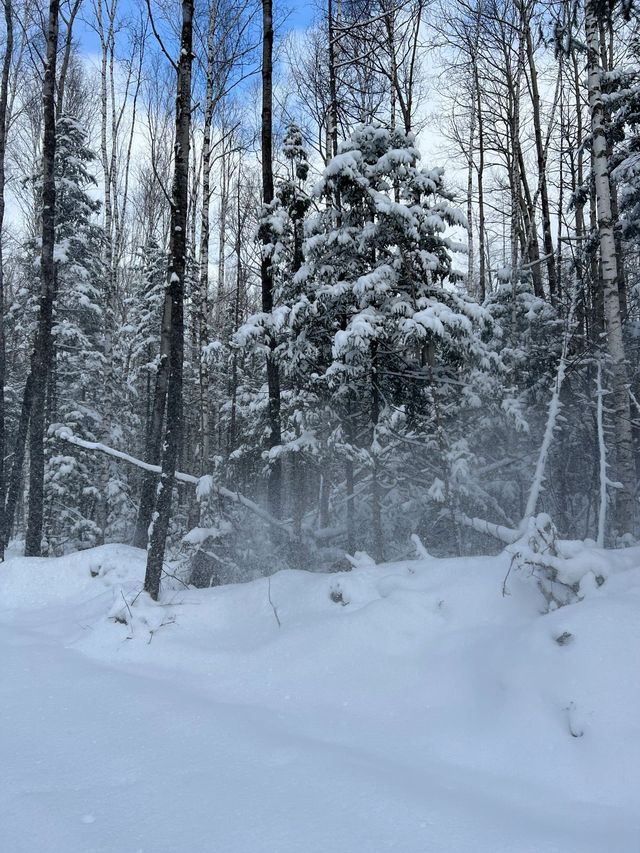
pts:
pixel 266 271
pixel 43 344
pixel 4 91
pixel 625 468
pixel 175 292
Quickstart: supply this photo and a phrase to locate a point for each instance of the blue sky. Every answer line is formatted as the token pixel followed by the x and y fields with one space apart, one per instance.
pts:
pixel 297 14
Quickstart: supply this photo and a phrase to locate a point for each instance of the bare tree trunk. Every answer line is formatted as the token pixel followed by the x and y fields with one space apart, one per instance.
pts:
pixel 225 181
pixel 482 291
pixel 625 468
pixel 376 500
pixel 108 170
pixel 66 54
pixel 153 450
pixel 470 167
pixel 333 96
pixel 515 177
pixel 231 442
pixel 577 177
pixel 175 294
pixel 529 231
pixel 19 450
pixel 203 313
pixel 542 168
pixel 273 373
pixel 43 342
pixel 607 41
pixel 4 93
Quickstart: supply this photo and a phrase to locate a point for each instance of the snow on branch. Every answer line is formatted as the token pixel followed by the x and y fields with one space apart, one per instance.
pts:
pixel 552 417
pixel 503 534
pixel 204 485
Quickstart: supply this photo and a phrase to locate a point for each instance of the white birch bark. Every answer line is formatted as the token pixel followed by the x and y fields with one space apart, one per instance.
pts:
pixel 602 511
pixel 625 467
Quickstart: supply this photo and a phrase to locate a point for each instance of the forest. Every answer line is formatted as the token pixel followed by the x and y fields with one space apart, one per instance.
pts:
pixel 319 426
pixel 284 284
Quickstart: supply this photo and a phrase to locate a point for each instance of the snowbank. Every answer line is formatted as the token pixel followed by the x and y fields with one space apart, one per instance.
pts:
pixel 411 707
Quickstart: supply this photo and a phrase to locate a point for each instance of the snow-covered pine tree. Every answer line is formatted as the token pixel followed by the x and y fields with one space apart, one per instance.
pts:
pixel 76 385
pixel 380 321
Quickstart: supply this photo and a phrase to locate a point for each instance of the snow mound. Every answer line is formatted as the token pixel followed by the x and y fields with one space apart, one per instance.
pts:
pixel 429 705
pixel 32 583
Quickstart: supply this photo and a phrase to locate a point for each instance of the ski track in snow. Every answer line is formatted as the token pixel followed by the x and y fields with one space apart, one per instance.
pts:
pixel 430 714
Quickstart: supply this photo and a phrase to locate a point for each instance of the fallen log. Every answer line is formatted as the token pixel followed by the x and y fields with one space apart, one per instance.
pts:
pixel 203 484
pixel 504 534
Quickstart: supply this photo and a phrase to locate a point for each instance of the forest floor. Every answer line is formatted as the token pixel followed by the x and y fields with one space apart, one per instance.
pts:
pixel 410 707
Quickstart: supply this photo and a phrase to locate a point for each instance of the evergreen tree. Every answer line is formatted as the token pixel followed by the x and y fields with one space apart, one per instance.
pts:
pixel 76 388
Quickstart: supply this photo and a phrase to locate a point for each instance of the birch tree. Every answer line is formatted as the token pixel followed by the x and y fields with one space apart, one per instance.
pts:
pixel 625 465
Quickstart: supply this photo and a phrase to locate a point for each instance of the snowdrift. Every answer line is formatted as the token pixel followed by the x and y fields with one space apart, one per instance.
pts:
pixel 422 707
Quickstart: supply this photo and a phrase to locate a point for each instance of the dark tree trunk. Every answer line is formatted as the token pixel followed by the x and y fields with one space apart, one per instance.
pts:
pixel 376 498
pixel 203 308
pixel 266 272
pixel 153 452
pixel 19 450
pixel 43 344
pixel 482 289
pixel 542 171
pixel 333 94
pixel 4 91
pixel 175 292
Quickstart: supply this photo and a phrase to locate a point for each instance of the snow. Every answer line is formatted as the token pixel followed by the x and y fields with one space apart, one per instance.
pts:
pixel 407 707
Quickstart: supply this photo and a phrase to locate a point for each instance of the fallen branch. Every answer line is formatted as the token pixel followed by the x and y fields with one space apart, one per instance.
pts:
pixel 552 418
pixel 503 534
pixel 65 434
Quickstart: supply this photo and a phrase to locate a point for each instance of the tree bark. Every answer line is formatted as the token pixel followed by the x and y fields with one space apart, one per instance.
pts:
pixel 203 312
pixel 333 96
pixel 471 266
pixel 515 176
pixel 4 93
pixel 542 169
pixel 625 467
pixel 43 343
pixel 266 272
pixel 482 291
pixel 66 54
pixel 153 450
pixel 19 450
pixel 175 293
pixel 376 498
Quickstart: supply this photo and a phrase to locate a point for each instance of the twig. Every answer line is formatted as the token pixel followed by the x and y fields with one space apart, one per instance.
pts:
pixel 126 604
pixel 505 591
pixel 175 577
pixel 170 621
pixel 273 607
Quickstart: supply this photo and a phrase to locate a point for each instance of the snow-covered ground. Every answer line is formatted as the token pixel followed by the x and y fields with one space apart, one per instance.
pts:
pixel 409 707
